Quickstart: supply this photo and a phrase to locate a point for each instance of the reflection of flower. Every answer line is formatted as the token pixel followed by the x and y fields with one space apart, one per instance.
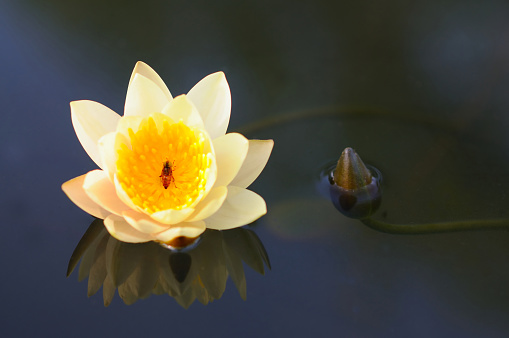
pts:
pixel 139 270
pixel 168 168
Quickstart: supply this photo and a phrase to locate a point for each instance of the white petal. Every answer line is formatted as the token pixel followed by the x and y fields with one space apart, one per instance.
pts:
pixel 210 204
pixel 107 148
pixel 189 229
pixel 143 222
pixel 144 97
pixel 74 190
pixel 241 207
pixel 213 99
pixel 256 159
pixel 101 190
pixel 182 108
pixel 121 230
pixel 145 70
pixel 231 150
pixel 91 121
pixel 172 216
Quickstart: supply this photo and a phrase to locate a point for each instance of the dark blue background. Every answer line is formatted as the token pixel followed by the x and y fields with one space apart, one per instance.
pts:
pixel 418 88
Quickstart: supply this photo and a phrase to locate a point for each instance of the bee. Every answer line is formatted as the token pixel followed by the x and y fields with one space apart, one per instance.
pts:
pixel 167 174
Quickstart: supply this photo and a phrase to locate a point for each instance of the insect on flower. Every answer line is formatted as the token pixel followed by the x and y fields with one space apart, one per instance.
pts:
pixel 167 174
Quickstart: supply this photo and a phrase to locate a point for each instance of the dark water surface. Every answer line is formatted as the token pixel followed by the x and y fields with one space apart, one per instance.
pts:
pixel 419 89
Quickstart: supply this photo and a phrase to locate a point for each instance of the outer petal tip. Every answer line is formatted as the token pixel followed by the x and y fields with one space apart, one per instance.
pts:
pixel 145 70
pixel 145 95
pixel 257 157
pixel 241 207
pixel 91 121
pixel 212 98
pixel 76 193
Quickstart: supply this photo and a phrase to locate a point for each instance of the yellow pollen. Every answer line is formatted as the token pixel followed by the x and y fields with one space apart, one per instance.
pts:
pixel 141 167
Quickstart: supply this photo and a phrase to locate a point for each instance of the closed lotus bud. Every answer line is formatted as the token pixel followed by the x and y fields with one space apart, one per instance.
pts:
pixel 355 188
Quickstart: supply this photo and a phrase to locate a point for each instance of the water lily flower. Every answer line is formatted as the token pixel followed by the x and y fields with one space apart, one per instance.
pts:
pixel 168 168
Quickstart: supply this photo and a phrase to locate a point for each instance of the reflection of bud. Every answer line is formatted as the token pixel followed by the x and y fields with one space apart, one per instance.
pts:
pixel 139 270
pixel 355 190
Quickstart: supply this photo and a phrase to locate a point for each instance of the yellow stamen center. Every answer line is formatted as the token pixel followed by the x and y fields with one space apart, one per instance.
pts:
pixel 140 166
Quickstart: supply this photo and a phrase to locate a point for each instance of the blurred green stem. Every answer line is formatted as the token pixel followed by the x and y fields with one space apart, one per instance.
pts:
pixel 343 112
pixel 430 228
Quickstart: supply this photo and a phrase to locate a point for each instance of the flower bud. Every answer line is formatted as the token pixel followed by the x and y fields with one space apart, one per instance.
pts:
pixel 355 188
